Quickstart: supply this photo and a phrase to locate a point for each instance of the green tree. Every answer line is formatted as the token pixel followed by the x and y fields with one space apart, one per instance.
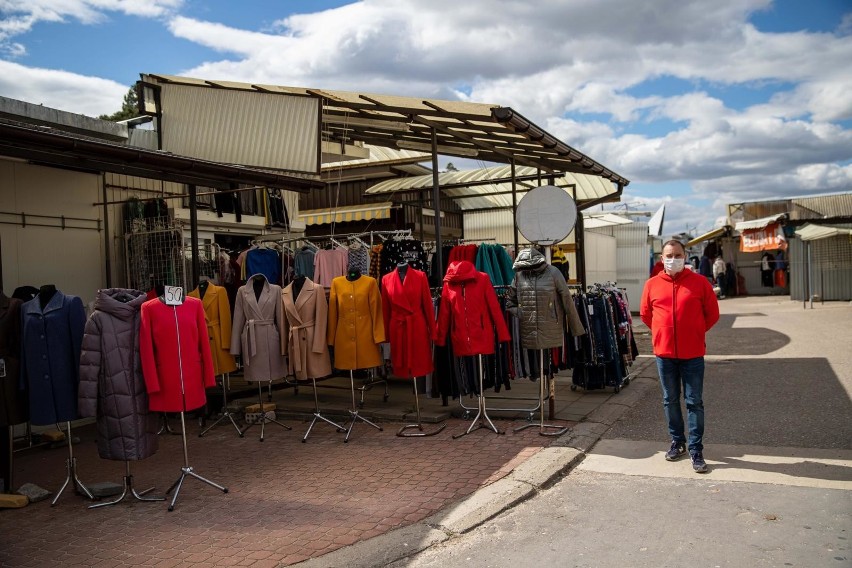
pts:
pixel 128 108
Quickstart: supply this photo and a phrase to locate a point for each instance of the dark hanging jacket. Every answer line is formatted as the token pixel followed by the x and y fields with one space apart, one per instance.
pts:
pixel 542 299
pixel 13 401
pixel 111 383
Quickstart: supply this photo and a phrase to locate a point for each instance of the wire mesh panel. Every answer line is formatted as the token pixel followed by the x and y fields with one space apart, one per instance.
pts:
pixel 209 264
pixel 154 253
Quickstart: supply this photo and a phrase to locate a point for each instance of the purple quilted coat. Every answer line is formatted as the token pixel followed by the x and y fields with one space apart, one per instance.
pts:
pixel 111 383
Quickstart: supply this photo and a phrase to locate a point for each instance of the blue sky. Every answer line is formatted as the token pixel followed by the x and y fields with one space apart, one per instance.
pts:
pixel 698 104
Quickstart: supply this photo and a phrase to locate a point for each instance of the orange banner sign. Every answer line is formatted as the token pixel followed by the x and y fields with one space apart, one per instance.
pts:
pixel 771 237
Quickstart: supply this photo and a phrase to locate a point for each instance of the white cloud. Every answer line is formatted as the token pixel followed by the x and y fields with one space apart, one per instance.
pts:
pixel 62 90
pixel 553 61
pixel 19 16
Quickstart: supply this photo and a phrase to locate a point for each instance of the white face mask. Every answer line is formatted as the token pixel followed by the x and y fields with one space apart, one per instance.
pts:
pixel 673 265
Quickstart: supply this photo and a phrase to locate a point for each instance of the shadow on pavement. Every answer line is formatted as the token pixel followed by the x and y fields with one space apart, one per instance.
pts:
pixel 724 339
pixel 758 402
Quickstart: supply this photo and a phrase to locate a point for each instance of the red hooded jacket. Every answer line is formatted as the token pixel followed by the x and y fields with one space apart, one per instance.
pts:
pixel 470 311
pixel 679 310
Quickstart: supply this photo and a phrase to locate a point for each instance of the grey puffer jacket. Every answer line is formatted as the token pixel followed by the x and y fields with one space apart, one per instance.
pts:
pixel 111 383
pixel 540 298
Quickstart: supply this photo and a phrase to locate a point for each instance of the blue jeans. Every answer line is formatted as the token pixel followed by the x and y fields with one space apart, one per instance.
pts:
pixel 690 374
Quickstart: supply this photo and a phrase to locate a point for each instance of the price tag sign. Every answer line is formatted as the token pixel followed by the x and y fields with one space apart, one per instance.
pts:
pixel 173 295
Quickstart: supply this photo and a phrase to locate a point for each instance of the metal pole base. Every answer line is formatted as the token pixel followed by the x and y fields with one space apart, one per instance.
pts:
pixel 179 484
pixel 129 490
pixel 420 434
pixel 263 419
pixel 79 488
pixel 481 413
pixel 319 416
pixel 354 412
pixel 226 414
pixel 541 425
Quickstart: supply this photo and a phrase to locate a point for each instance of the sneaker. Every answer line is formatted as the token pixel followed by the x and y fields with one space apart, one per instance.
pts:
pixel 676 452
pixel 698 463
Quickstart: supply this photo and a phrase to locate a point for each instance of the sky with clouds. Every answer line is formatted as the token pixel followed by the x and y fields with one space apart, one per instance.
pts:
pixel 698 103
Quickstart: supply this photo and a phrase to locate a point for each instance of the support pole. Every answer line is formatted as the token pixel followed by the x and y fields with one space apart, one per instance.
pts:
pixel 514 207
pixel 193 234
pixel 436 199
pixel 107 237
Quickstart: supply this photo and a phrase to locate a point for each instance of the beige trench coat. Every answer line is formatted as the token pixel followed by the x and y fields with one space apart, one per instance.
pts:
pixel 256 331
pixel 305 323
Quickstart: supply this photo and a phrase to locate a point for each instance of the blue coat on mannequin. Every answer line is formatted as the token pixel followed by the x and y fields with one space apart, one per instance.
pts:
pixel 51 339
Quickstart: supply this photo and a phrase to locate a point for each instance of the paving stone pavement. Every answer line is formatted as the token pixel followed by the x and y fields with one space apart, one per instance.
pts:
pixel 287 501
pixel 290 502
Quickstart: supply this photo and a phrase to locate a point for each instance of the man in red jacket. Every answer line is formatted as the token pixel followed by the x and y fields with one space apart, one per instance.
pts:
pixel 679 306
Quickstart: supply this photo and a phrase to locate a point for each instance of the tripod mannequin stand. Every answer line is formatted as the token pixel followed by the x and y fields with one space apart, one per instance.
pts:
pixel 186 470
pixel 129 490
pixel 71 467
pixel 479 421
pixel 559 430
pixel 354 411
pixel 263 417
pixel 226 413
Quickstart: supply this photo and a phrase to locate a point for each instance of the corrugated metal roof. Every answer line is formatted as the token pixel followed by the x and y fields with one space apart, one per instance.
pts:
pixel 487 131
pixel 812 232
pixel 588 187
pixel 759 223
pixel 380 155
pixel 822 206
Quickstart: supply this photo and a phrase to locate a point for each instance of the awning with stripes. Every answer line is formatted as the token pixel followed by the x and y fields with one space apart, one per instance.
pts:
pixel 364 212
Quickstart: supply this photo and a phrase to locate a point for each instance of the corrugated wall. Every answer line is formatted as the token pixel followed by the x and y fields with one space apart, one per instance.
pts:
pixel 632 257
pixel 235 127
pixel 600 258
pixel 830 269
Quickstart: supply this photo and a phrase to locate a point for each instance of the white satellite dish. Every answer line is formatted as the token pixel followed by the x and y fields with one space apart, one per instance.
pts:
pixel 546 215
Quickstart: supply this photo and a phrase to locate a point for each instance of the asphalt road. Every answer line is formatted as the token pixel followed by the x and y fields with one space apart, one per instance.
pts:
pixel 778 440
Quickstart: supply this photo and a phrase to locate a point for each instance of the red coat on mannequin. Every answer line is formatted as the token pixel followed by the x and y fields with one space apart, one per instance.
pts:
pixel 470 311
pixel 159 335
pixel 409 321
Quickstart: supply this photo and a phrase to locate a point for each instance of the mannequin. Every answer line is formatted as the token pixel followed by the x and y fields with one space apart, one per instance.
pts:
pixel 45 293
pixel 402 269
pixel 258 283
pixel 353 274
pixel 298 282
pixel 202 288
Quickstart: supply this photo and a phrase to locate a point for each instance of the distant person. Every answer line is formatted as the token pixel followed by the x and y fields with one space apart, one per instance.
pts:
pixel 720 276
pixel 658 267
pixel 679 306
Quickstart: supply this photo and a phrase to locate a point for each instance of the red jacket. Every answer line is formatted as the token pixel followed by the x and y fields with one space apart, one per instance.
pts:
pixel 470 311
pixel 409 322
pixel 679 310
pixel 160 330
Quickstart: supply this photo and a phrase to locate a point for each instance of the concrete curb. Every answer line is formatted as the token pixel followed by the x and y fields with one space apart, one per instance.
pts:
pixel 535 474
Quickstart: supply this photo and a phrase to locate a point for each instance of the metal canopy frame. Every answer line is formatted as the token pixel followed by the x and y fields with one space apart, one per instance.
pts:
pixel 488 132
